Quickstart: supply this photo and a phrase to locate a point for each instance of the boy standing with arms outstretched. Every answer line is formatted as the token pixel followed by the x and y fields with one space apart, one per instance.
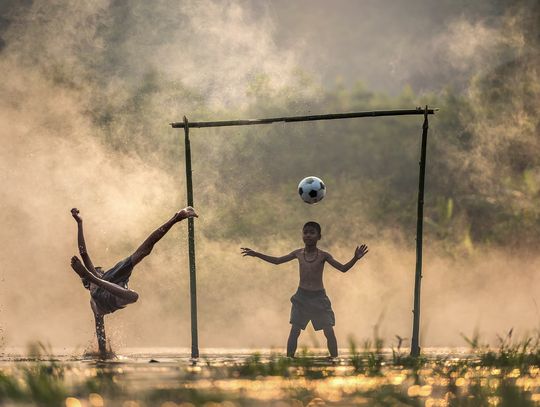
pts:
pixel 310 302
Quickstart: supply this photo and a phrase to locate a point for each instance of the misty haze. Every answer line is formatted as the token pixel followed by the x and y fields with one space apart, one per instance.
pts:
pixel 87 95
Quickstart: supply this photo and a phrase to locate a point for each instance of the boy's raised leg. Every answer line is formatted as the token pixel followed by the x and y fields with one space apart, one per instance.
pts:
pixel 146 247
pixel 331 341
pixel 292 342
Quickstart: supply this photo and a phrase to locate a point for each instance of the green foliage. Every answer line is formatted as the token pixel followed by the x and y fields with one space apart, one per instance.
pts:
pixel 483 166
pixel 103 382
pixel 304 364
pixel 405 360
pixel 44 384
pixel 41 382
pixel 519 354
pixel 371 360
pixel 503 377
pixel 390 396
pixel 255 366
pixel 10 388
pixel 179 395
pixel 511 354
pixel 370 167
pixel 473 341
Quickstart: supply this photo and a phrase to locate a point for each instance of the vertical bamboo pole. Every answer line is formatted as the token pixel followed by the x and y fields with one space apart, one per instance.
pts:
pixel 415 343
pixel 191 242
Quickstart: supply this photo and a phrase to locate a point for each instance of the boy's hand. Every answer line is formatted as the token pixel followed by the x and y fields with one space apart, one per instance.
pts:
pixel 76 216
pixel 246 251
pixel 360 251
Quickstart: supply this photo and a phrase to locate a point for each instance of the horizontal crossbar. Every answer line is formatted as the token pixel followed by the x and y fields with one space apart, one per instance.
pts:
pixel 376 113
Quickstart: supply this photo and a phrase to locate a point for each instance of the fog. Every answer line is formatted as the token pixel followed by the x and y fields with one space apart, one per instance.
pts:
pixel 63 65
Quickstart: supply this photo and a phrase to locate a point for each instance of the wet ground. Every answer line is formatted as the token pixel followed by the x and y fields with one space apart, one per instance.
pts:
pixel 228 377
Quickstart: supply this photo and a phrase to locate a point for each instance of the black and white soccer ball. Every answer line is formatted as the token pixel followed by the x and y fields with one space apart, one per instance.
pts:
pixel 311 190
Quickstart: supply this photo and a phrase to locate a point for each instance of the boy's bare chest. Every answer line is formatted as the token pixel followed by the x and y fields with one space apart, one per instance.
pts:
pixel 311 263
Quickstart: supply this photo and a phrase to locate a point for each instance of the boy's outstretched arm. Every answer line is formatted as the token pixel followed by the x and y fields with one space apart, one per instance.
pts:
pixel 270 259
pixel 81 243
pixel 358 254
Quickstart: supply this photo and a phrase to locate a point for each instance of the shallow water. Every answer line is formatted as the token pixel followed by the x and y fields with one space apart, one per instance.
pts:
pixel 169 377
pixel 183 355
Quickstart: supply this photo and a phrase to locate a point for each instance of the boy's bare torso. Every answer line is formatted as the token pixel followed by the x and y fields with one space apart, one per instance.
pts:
pixel 311 267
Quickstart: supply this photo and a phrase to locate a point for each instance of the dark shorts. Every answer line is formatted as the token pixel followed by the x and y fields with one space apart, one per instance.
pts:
pixel 312 306
pixel 120 275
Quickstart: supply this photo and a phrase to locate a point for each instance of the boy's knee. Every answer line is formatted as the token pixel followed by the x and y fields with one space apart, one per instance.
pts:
pixel 131 298
pixel 140 254
pixel 329 332
pixel 295 330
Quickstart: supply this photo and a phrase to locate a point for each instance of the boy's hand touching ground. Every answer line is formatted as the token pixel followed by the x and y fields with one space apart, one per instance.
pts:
pixel 246 251
pixel 76 216
pixel 360 251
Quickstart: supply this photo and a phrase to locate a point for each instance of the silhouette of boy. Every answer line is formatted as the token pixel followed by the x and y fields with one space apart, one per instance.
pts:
pixel 310 302
pixel 109 290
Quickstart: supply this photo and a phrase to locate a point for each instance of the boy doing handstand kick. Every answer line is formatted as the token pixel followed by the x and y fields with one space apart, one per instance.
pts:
pixel 109 290
pixel 310 302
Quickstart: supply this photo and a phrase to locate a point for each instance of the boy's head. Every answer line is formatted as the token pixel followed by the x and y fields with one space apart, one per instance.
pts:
pixel 311 233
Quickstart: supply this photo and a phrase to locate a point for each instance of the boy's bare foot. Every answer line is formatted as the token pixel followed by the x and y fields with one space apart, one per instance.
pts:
pixel 332 359
pixel 75 214
pixel 78 267
pixel 187 212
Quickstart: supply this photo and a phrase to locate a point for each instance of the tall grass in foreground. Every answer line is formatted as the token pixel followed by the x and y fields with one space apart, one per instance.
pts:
pixel 507 376
pixel 511 353
pixel 39 382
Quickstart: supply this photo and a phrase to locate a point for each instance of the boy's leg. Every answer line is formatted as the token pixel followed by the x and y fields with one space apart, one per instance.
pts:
pixel 292 342
pixel 146 247
pixel 100 334
pixel 129 296
pixel 331 341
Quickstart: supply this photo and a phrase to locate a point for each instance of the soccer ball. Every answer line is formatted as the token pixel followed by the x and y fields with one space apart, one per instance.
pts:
pixel 311 190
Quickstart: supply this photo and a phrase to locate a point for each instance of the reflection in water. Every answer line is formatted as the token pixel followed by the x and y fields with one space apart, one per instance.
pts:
pixel 168 377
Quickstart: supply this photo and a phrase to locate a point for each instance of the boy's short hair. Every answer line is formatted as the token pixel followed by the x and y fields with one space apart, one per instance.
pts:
pixel 314 225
